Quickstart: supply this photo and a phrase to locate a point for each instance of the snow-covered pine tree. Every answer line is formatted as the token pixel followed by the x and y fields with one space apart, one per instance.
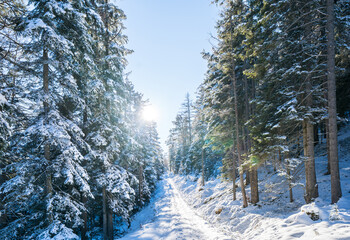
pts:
pixel 342 48
pixel 44 194
pixel 230 86
pixel 216 107
pixel 186 113
pixel 10 52
pixel 171 142
pixel 153 156
pixel 10 113
pixel 177 144
pixel 104 122
pixel 205 153
pixel 72 60
pixel 141 154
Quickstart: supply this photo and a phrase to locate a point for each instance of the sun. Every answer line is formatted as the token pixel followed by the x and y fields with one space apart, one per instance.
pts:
pixel 149 113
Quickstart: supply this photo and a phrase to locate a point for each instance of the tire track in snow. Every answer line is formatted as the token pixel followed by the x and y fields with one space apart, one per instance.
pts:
pixel 173 219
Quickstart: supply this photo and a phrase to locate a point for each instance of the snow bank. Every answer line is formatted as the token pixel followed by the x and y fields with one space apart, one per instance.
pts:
pixel 267 221
pixel 181 203
pixel 274 217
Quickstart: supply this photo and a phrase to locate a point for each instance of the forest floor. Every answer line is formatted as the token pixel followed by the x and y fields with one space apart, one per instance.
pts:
pixel 182 209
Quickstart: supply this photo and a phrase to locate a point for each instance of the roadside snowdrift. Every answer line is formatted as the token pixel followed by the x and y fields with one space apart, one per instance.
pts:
pixel 275 217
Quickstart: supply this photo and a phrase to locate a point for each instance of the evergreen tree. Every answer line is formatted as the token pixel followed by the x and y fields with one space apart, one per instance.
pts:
pixel 49 180
pixel 332 108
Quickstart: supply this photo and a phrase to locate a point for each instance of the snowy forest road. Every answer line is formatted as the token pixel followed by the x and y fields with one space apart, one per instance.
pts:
pixel 169 217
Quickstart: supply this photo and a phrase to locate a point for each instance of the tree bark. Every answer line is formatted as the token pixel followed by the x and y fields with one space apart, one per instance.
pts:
pixel 84 216
pixel 254 185
pixel 105 18
pixel 104 213
pixel 332 107
pixel 241 171
pixel 234 86
pixel 245 128
pixel 234 174
pixel 313 187
pixel 245 152
pixel 306 162
pixel 140 182
pixel 312 191
pixel 316 136
pixel 48 180
pixel 290 186
pixel 109 223
pixel 328 157
pixel 46 80
pixel 203 174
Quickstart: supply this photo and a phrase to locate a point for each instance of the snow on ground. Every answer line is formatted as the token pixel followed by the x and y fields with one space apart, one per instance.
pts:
pixel 274 217
pixel 266 221
pixel 182 209
pixel 169 217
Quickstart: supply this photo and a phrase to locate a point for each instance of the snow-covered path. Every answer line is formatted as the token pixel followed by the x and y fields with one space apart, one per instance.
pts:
pixel 169 217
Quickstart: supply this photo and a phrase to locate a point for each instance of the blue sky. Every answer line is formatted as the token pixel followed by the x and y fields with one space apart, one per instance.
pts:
pixel 167 37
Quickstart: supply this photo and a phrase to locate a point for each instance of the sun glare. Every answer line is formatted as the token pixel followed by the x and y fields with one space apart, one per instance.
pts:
pixel 149 113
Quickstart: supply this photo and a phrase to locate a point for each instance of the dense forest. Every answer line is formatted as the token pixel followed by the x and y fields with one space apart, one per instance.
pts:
pixel 269 96
pixel 77 161
pixel 76 158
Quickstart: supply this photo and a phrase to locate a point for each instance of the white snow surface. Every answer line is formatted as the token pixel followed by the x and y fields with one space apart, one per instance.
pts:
pixel 168 216
pixel 268 220
pixel 182 209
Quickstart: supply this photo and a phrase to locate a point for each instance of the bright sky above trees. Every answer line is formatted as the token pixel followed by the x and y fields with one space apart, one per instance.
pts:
pixel 167 38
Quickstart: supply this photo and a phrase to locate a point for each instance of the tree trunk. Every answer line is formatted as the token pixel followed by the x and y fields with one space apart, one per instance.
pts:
pixel 240 162
pixel 254 185
pixel 247 109
pixel 316 136
pixel 46 80
pixel 140 183
pixel 332 107
pixel 280 156
pixel 105 18
pixel 306 162
pixel 274 162
pixel 245 152
pixel 48 180
pixel 48 184
pixel 311 188
pixel 234 88
pixel 328 157
pixel 109 223
pixel 104 213
pixel 203 174
pixel 245 128
pixel 290 186
pixel 234 174
pixel 312 192
pixel 247 177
